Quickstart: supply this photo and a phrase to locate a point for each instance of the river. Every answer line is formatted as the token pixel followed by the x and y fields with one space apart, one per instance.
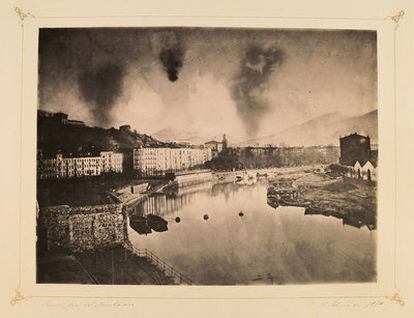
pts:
pixel 264 246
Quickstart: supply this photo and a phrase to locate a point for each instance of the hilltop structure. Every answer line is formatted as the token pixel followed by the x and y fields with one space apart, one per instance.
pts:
pixel 57 118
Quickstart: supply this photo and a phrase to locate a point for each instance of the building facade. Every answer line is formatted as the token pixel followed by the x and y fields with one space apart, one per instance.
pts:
pixel 364 171
pixel 60 167
pixel 153 161
pixel 217 146
pixel 354 148
pixel 111 161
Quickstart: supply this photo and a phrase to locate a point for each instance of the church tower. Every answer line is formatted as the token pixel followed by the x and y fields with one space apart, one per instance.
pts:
pixel 224 142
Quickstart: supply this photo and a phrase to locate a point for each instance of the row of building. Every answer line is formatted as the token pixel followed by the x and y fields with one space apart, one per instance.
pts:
pixel 146 162
pixel 60 167
pixel 153 161
pixel 355 152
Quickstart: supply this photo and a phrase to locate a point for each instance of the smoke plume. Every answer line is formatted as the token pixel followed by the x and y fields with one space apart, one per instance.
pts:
pixel 250 83
pixel 100 86
pixel 170 51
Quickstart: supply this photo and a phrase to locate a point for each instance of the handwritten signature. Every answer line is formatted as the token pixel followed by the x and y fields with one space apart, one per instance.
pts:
pixel 89 303
pixel 353 303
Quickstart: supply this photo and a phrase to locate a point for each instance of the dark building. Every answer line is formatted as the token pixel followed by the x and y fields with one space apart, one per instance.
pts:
pixel 52 118
pixel 125 128
pixel 354 148
pixel 46 117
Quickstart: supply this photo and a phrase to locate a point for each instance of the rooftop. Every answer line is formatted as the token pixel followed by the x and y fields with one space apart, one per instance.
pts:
pixel 354 135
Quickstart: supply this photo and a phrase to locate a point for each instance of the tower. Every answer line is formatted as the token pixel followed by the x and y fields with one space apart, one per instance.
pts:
pixel 224 142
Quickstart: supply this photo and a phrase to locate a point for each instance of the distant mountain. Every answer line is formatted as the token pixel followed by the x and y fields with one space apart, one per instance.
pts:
pixel 191 137
pixel 323 130
pixel 171 134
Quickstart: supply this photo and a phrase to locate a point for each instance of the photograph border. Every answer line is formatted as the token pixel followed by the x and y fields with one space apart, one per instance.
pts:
pixel 29 31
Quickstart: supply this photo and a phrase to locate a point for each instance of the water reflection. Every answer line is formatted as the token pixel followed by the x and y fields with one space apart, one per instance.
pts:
pixel 354 219
pixel 157 210
pixel 272 202
pixel 163 204
pixel 260 247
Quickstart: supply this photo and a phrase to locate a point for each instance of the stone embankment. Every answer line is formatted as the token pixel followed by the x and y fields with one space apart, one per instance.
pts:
pixel 82 227
pixel 132 193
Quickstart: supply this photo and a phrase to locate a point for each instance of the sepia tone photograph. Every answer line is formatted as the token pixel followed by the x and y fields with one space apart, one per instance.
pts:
pixel 206 156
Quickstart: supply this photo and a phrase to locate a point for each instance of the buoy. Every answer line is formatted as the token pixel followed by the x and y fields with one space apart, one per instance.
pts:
pixel 241 213
pixel 177 219
pixel 205 217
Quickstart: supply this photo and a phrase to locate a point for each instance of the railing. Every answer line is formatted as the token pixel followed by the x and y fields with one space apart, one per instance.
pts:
pixel 168 270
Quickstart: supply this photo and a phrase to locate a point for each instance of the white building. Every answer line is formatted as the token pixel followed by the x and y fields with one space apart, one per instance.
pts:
pixel 365 171
pixel 369 171
pixel 61 167
pixel 150 161
pixel 111 161
pixel 357 170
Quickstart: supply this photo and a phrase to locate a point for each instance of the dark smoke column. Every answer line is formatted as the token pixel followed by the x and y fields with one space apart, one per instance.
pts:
pixel 251 82
pixel 172 61
pixel 100 86
pixel 170 51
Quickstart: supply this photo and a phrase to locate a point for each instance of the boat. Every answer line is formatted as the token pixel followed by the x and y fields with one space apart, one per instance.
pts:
pixel 157 223
pixel 246 179
pixel 139 224
pixel 153 218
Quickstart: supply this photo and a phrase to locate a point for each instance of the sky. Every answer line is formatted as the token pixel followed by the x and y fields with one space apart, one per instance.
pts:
pixel 243 82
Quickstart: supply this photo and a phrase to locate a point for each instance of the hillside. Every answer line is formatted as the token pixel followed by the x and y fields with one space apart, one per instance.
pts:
pixel 323 130
pixel 54 137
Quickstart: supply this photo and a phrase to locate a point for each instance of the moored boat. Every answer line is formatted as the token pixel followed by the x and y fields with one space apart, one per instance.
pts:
pixel 157 223
pixel 139 224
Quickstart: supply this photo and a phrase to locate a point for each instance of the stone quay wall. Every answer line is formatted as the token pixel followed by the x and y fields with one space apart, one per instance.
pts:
pixel 191 179
pixel 131 193
pixel 84 227
pixel 131 189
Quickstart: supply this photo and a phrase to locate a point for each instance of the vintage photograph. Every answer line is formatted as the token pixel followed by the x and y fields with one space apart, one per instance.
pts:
pixel 206 156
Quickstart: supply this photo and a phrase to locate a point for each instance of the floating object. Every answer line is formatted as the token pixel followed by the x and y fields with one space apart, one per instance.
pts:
pixel 205 217
pixel 177 219
pixel 157 223
pixel 152 218
pixel 139 224
pixel 241 213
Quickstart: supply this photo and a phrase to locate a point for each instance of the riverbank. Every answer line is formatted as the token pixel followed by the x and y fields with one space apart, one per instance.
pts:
pixel 115 266
pixel 353 201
